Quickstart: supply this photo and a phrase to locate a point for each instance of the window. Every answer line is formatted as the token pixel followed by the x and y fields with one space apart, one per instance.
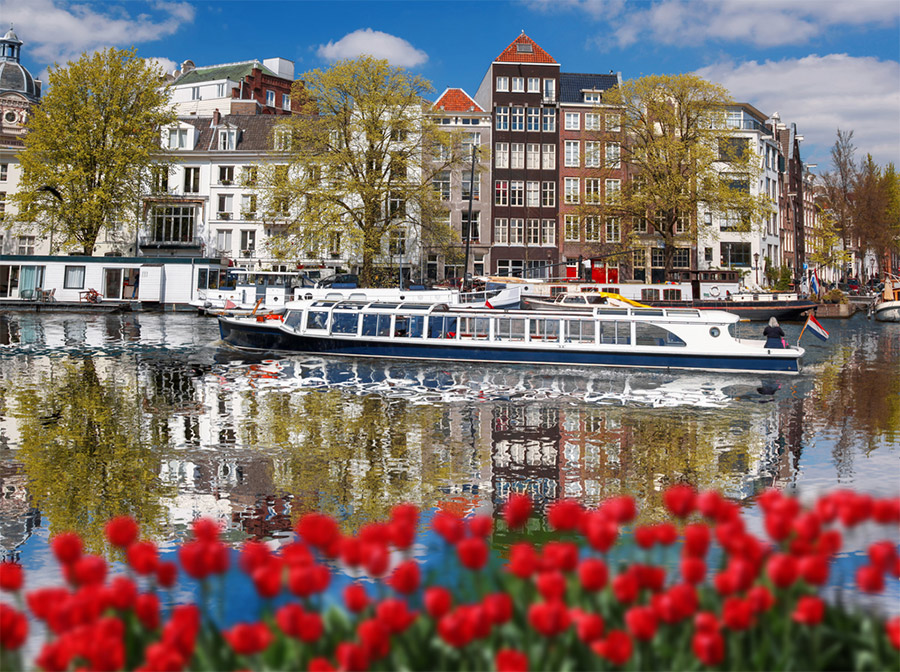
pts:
pixel 248 206
pixel 501 192
pixel 441 184
pixel 220 90
pixel 613 230
pixel 25 244
pixel 534 232
pixel 334 244
pixel 248 241
pixel 548 232
pixel 223 241
pixel 516 231
pixel 735 220
pixel 639 224
pixel 191 180
pixel 281 139
pixel 501 155
pixel 550 90
pixel 549 120
pixel 534 85
pixel 270 98
pixel 533 157
pixel 472 233
pixel 517 155
pixel 591 190
pixel 228 139
pixel 573 121
pixel 571 189
pixel 74 277
pixel 591 154
pixel 470 141
pixel 518 119
pixel 226 175
pixel 501 231
pixel 613 152
pixel 682 257
pixel 467 187
pixel 533 194
pixel 518 84
pixel 591 230
pixel 249 175
pixel 613 122
pixel 2 211
pixel 657 258
pixel 285 101
pixel 613 190
pixel 732 149
pixel 736 254
pixel 572 152
pixel 502 83
pixel 548 195
pixel 502 118
pixel 572 228
pixel 682 222
pixel 178 138
pixel 4 172
pixel 708 255
pixel 172 223
pixel 226 202
pixel 516 193
pixel 195 93
pixel 549 157
pixel 591 121
pixel 510 267
pixel 534 119
pixel 592 96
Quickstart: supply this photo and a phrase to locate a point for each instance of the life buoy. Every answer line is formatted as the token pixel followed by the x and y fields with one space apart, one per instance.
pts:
pixel 713 291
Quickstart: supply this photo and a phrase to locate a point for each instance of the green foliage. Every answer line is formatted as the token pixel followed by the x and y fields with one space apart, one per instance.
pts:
pixel 676 145
pixel 93 139
pixel 834 296
pixel 784 278
pixel 351 167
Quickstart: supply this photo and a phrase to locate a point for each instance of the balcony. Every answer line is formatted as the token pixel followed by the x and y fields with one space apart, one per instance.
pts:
pixel 223 215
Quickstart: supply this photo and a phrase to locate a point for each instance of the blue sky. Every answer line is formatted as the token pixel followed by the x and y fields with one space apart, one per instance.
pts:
pixel 822 64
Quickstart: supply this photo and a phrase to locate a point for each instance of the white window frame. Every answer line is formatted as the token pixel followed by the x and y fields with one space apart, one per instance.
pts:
pixel 501 231
pixel 516 231
pixel 548 157
pixel 591 230
pixel 517 118
pixel 613 190
pixel 572 225
pixel 613 122
pixel 534 119
pixel 502 119
pixel 591 121
pixel 501 192
pixel 592 154
pixel 613 155
pixel 548 120
pixel 572 157
pixel 516 193
pixel 502 84
pixel 573 121
pixel 533 231
pixel 533 156
pixel 548 194
pixel 517 155
pixel 518 85
pixel 534 85
pixel 501 155
pixel 548 232
pixel 270 98
pixel 572 190
pixel 613 230
pixel 533 194
pixel 591 190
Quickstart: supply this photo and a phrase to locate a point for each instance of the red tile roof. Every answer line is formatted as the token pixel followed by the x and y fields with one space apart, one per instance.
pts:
pixel 456 100
pixel 512 54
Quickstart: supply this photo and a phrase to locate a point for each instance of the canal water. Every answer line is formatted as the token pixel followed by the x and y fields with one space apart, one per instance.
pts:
pixel 149 414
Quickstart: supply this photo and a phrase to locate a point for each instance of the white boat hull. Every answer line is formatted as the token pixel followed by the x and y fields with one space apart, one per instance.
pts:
pixel 887 311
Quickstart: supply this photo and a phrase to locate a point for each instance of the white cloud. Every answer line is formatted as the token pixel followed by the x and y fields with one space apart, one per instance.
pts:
pixel 821 94
pixel 396 51
pixel 57 32
pixel 167 65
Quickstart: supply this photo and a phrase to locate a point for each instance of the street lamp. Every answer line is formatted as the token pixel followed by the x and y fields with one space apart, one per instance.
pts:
pixel 756 266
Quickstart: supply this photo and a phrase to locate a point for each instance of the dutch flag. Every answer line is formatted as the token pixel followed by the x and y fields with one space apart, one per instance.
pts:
pixel 814 326
pixel 814 284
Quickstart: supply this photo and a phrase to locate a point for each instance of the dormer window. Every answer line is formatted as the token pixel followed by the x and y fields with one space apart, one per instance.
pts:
pixel 282 139
pixel 178 138
pixel 270 98
pixel 228 139
pixel 524 48
pixel 592 96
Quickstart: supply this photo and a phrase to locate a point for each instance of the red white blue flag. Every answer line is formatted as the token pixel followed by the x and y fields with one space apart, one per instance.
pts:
pixel 814 284
pixel 817 329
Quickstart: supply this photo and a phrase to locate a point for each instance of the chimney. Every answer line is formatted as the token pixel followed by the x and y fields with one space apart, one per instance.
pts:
pixel 216 117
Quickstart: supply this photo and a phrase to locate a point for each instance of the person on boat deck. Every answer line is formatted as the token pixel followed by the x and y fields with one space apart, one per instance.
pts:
pixel 774 334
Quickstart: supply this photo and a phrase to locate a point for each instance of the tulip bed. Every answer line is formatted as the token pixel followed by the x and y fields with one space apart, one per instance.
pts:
pixel 729 599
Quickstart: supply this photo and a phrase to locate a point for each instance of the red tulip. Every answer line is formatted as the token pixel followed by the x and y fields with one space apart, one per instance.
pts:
pixel 248 638
pixel 406 577
pixel 626 587
pixel 782 569
pixel 166 574
pixel 206 529
pixel 600 530
pixel 11 576
pixel 809 610
pixel 593 574
pixel 883 554
pixel 318 530
pixel 456 629
pixel 813 569
pixel 561 555
pixel 645 536
pixel 696 539
pixel 143 557
pixel 523 560
pixel 146 607
pixel 89 570
pixel 549 618
pixel 886 511
pixel 121 593
pixel 352 657
pixel 616 648
pixel 122 531
pixel 481 526
pixel 375 558
pixel 450 527
pixel 622 508
pixel 267 578
pixel 517 511
pixel 402 534
pixel 679 500
pixel 706 621
pixel 892 627
pixel 181 630
pixel 13 628
pixel 551 585
pixel 320 665
pixel 473 553
pixel 737 614
pixel 253 554
pixel 565 515
pixel 693 570
pixel 760 599
pixel 438 601
pixel 395 614
pixel 375 639
pixel 870 579
pixel 356 598
pixel 509 660
pixel 499 607
pixel 709 647
pixel 709 504
pixel 589 627
pixel 641 622
pixel 67 547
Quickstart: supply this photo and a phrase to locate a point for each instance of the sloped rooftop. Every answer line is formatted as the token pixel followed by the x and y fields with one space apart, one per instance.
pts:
pixel 524 50
pixel 457 100
pixel 572 85
pixel 233 71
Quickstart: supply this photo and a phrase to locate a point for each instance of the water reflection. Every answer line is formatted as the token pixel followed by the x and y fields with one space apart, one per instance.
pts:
pixel 144 414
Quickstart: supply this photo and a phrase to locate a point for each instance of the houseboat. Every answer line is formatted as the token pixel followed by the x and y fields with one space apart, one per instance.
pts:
pixel 887 305
pixel 656 338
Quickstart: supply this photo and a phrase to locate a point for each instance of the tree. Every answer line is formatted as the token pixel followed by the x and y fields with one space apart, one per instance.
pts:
pixel 838 184
pixel 89 148
pixel 681 158
pixel 356 167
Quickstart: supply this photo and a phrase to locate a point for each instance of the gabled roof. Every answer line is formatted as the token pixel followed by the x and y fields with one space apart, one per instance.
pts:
pixel 572 85
pixel 524 50
pixel 233 71
pixel 457 100
pixel 255 130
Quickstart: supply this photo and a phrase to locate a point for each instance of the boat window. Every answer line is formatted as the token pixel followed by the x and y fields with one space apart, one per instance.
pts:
pixel 412 326
pixel 510 329
pixel 649 294
pixel 672 294
pixel 441 327
pixel 557 289
pixel 292 319
pixel 596 300
pixel 544 329
pixel 416 306
pixel 344 323
pixel 317 319
pixel 609 310
pixel 474 327
pixel 580 331
pixel 614 333
pixel 384 326
pixel 401 326
pixel 686 312
pixel 647 312
pixel 651 334
pixel 370 324
pixel 575 298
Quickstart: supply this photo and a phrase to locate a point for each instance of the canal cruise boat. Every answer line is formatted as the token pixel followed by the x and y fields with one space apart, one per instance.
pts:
pixel 657 338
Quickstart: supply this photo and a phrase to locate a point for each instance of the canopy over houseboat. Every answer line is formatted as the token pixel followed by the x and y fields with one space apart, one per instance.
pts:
pixel 657 338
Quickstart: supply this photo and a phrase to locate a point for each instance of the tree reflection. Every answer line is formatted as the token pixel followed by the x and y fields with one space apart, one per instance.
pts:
pixel 84 453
